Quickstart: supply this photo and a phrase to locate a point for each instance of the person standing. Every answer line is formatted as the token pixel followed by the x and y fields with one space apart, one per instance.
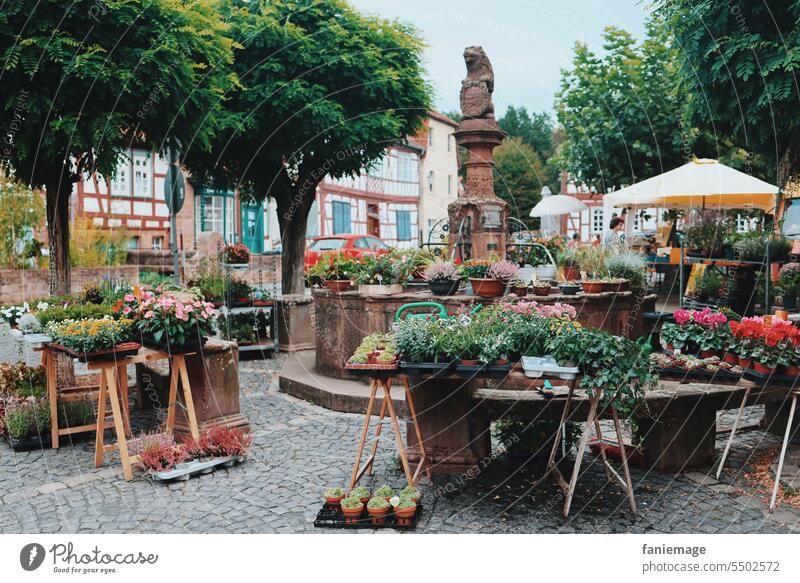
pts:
pixel 614 237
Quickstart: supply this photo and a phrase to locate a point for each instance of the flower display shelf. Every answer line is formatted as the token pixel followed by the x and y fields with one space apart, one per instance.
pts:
pixel 186 470
pixel 773 379
pixel 720 376
pixel 329 517
pixel 120 351
pixel 418 369
pixel 29 443
pixel 371 370
pixel 493 371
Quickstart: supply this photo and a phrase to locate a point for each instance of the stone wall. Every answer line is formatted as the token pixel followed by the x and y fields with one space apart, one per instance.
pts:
pixel 17 285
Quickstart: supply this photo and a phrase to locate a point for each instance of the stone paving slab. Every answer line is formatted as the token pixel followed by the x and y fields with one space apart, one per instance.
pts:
pixel 299 449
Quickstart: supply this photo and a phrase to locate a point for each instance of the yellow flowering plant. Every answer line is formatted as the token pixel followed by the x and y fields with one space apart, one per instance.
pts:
pixel 90 335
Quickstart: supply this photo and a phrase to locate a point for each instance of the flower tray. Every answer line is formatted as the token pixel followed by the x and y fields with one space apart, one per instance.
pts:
pixel 170 348
pixel 774 379
pixel 120 351
pixel 721 376
pixel 372 370
pixel 493 371
pixel 29 443
pixel 184 471
pixel 418 369
pixel 334 518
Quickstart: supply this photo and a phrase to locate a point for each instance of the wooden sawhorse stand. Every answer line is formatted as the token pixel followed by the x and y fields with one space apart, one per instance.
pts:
pixel 611 473
pixel 385 382
pixel 113 379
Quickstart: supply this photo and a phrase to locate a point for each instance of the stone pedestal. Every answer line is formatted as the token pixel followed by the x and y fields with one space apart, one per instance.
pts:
pixel 214 379
pixel 478 218
pixel 294 314
pixel 455 440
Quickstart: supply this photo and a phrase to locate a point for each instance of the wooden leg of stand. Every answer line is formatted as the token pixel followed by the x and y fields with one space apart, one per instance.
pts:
pixel 786 435
pixel 387 395
pixel 172 402
pixel 624 457
pixel 378 429
pixel 603 455
pixel 551 461
pixel 187 396
pixel 579 457
pixel 99 440
pixel 421 442
pixel 122 375
pixel 52 394
pixel 119 426
pixel 364 432
pixel 733 431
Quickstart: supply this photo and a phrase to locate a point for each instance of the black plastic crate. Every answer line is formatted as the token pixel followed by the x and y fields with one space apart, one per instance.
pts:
pixel 494 371
pixel 773 379
pixel 722 376
pixel 329 517
pixel 418 369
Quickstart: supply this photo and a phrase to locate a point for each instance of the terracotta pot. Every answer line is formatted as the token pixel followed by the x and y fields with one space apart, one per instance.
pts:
pixel 487 288
pixel 572 273
pixel 731 358
pixel 378 515
pixel 745 362
pixel 337 285
pixel 792 371
pixel 468 362
pixel 352 514
pixel 592 287
pixel 707 353
pixel 670 347
pixel 541 290
pixel 405 515
pixel 762 369
pixel 502 361
pixel 333 502
pixel 364 501
pixel 519 291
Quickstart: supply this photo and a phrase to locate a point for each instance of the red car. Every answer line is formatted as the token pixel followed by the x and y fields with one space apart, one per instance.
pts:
pixel 355 245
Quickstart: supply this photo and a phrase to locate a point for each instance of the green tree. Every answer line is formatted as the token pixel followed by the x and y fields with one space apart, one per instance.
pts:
pixel 84 80
pixel 324 91
pixel 623 120
pixel 739 61
pixel 21 214
pixel 518 177
pixel 535 129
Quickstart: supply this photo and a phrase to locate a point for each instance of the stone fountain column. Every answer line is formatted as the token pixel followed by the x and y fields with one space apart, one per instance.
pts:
pixel 478 218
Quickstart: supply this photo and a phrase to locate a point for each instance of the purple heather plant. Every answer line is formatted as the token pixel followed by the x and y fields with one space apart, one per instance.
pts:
pixel 442 270
pixel 503 270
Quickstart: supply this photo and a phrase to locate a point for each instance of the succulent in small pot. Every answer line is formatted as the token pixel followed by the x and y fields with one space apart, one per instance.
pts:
pixel 378 508
pixel 333 496
pixel 361 492
pixel 541 288
pixel 384 492
pixel 404 509
pixel 519 287
pixel 386 357
pixel 443 277
pixel 352 508
pixel 359 358
pixel 569 289
pixel 412 493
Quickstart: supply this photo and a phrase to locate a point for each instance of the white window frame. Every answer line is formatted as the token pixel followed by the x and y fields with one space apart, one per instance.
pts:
pixel 142 174
pixel 597 220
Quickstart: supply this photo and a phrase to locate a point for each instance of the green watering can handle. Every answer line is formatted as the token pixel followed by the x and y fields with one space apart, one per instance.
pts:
pixel 476 309
pixel 441 311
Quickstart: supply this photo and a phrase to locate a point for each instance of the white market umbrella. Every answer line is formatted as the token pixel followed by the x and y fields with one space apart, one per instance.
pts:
pixel 550 225
pixel 559 204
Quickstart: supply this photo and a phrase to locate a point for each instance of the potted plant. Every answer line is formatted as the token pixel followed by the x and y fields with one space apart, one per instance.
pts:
pixel 361 492
pixel 333 496
pixel 443 278
pixel 411 492
pixel 235 255
pixel 352 508
pixel 520 286
pixel 541 288
pixel 381 274
pixel 384 492
pixel 789 282
pixel 569 288
pixel 177 321
pixel 629 266
pixel 239 292
pixel 94 338
pixel 475 270
pixel 336 271
pixel 378 508
pixel 27 422
pixel 404 509
pixel 568 260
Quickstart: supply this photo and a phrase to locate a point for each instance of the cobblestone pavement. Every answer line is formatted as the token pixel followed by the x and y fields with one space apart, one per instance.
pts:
pixel 299 449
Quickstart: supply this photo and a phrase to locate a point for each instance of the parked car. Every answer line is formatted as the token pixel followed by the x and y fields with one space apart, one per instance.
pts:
pixel 355 245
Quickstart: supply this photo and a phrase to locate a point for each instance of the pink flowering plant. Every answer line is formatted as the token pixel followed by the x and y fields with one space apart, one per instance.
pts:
pixel 695 330
pixel 175 318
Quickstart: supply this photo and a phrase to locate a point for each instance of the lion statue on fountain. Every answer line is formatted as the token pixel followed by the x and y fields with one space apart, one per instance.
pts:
pixel 478 86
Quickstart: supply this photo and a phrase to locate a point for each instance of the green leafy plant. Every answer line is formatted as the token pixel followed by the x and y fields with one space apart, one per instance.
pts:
pixel 351 502
pixel 628 265
pixel 476 268
pixel 27 417
pixel 360 492
pixel 384 492
pixel 333 492
pixel 534 438
pixel 75 311
pixel 377 504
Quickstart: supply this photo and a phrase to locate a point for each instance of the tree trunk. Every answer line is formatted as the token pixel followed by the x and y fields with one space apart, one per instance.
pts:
pixel 789 170
pixel 58 193
pixel 293 217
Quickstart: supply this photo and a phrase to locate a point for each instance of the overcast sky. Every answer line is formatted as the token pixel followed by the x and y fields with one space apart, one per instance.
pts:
pixel 528 42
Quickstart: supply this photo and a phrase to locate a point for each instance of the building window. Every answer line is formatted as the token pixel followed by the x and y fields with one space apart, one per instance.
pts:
pixel 597 220
pixel 449 184
pixel 430 180
pixel 430 138
pixel 449 142
pixel 120 184
pixel 312 223
pixel 216 215
pixel 341 217
pixel 158 243
pixel 403 225
pixel 133 242
pixel 141 175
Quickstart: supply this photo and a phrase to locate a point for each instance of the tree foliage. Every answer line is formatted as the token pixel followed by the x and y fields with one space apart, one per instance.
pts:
pixel 623 119
pixel 83 80
pixel 535 129
pixel 739 62
pixel 518 177
pixel 324 91
pixel 21 214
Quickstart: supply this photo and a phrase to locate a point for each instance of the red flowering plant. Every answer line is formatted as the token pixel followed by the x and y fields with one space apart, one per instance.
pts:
pixel 696 330
pixel 237 254
pixel 770 343
pixel 219 442
pixel 176 318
